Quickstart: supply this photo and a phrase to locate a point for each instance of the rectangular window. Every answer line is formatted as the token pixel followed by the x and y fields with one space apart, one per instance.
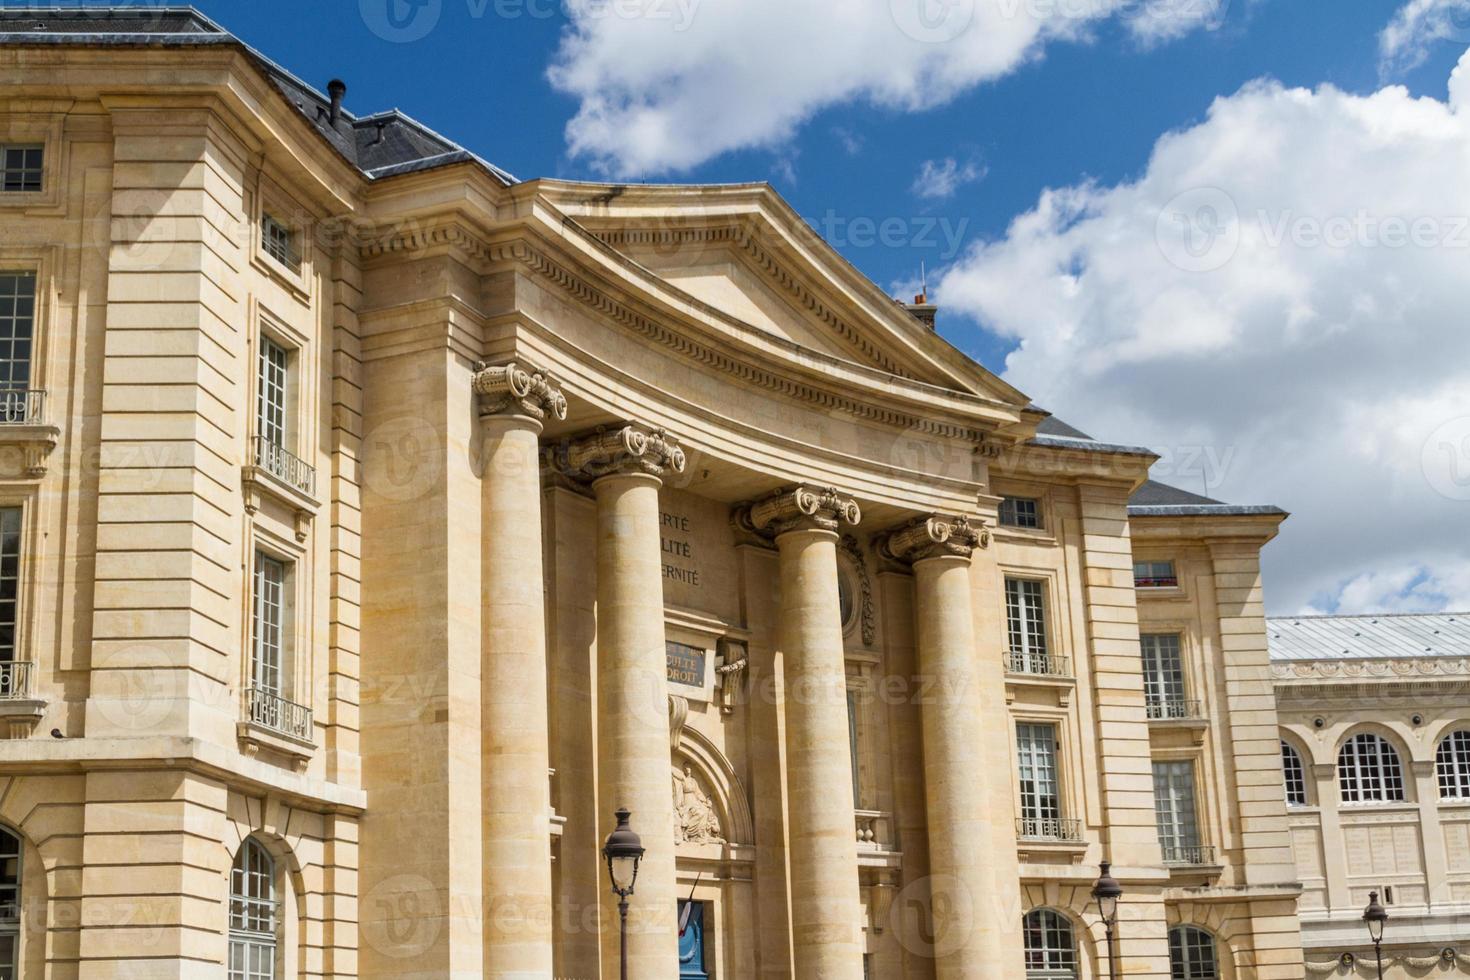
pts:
pixel 20 168
pixel 270 405
pixel 1020 512
pixel 1036 759
pixel 1025 616
pixel 17 327
pixel 852 746
pixel 1155 575
pixel 1174 810
pixel 267 660
pixel 279 242
pixel 9 583
pixel 1163 676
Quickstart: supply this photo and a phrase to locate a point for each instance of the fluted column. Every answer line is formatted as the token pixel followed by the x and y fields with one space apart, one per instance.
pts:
pixel 826 906
pixel 516 847
pixel 965 943
pixel 625 467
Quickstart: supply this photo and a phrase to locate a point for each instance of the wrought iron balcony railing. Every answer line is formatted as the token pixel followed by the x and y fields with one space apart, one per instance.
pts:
pixel 1063 829
pixel 275 713
pixel 15 680
pixel 285 466
pixel 1038 664
pixel 20 406
pixel 1189 855
pixel 1173 709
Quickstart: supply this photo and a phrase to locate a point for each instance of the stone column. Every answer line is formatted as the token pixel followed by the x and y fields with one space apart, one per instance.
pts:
pixel 965 939
pixel 826 906
pixel 625 467
pixel 516 800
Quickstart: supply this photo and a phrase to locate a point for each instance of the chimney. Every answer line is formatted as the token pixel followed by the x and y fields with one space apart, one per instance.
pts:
pixel 336 88
pixel 924 310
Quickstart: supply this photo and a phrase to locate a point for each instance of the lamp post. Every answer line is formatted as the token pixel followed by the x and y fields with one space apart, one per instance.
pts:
pixel 1375 915
pixel 1107 891
pixel 623 851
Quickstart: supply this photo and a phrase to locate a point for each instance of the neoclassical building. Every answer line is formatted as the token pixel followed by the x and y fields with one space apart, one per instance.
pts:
pixel 374 525
pixel 1375 745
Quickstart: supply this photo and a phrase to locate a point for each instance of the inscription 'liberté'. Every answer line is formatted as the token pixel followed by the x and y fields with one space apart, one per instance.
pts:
pixel 678 550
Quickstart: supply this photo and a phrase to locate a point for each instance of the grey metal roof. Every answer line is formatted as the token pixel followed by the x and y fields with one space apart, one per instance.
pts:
pixel 1053 426
pixel 1370 637
pixel 1155 499
pixel 378 145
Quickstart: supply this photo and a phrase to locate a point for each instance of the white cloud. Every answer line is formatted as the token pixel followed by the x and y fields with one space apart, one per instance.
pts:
pixel 1281 295
pixel 664 85
pixel 939 179
pixel 1404 43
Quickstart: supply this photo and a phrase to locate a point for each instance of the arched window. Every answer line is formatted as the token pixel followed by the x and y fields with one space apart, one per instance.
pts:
pixel 1294 774
pixel 1051 949
pixel 1368 770
pixel 1192 954
pixel 253 914
pixel 9 905
pixel 1452 764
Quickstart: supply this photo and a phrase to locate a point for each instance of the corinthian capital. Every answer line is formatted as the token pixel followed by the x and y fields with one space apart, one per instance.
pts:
pixel 629 449
pixel 933 537
pixel 796 509
pixel 510 389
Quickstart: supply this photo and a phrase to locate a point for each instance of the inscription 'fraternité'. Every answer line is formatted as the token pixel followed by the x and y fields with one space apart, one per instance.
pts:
pixel 678 550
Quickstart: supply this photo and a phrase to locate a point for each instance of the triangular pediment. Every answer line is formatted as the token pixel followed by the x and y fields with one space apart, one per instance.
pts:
pixel 741 250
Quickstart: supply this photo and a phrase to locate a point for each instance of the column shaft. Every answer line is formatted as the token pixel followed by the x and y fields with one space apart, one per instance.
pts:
pixel 965 941
pixel 825 903
pixel 633 720
pixel 517 858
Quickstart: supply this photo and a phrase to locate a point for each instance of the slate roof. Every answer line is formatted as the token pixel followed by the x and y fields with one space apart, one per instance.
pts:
pixel 378 145
pixel 1369 637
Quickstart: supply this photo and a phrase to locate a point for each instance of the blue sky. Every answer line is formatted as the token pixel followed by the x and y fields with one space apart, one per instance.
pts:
pixel 1181 223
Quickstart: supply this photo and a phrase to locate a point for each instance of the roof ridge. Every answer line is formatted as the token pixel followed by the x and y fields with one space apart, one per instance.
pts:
pixel 1368 615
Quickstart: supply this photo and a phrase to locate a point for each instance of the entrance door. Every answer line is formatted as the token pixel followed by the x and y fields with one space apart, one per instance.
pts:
pixel 691 942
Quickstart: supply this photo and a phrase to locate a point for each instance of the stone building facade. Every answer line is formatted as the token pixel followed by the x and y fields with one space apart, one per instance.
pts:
pixel 374 525
pixel 1375 742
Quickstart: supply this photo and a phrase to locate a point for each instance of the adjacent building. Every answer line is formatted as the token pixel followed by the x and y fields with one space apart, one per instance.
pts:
pixel 1375 751
pixel 374 525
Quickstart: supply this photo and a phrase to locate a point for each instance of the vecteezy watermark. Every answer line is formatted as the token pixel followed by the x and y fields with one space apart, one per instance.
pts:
pixel 863 231
pixel 1445 459
pixel 1199 230
pixel 405 21
pixel 932 21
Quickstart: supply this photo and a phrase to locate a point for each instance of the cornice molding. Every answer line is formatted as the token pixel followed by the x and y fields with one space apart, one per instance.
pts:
pixel 933 537
pixel 741 237
pixel 797 509
pixel 1357 670
pixel 510 389
pixel 630 449
pixel 457 237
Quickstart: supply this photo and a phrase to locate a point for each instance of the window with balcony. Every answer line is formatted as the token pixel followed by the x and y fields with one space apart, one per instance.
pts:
pixel 253 914
pixel 1026 631
pixel 1294 774
pixel 21 168
pixel 1050 945
pixel 1177 815
pixel 1163 678
pixel 15 674
pixel 279 242
pixel 273 429
pixel 19 403
pixel 1041 801
pixel 1452 766
pixel 1192 954
pixel 1020 512
pixel 1368 770
pixel 1155 575
pixel 270 655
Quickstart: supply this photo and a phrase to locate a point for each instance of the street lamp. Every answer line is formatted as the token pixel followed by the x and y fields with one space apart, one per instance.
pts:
pixel 623 852
pixel 1375 915
pixel 1107 891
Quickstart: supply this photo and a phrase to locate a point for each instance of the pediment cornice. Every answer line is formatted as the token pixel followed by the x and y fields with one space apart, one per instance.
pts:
pixel 659 313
